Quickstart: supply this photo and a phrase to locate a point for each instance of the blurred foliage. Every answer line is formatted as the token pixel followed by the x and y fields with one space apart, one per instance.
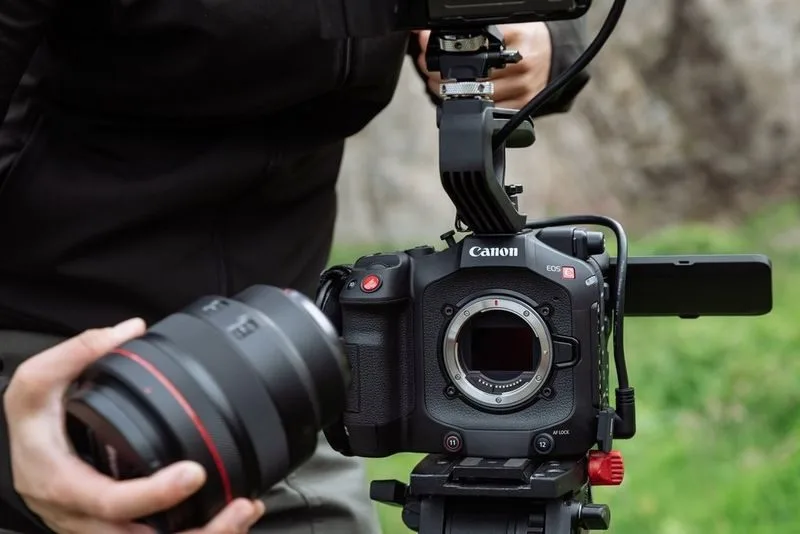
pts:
pixel 718 443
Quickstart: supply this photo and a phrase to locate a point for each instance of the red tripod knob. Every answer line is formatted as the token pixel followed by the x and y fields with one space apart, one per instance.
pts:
pixel 606 468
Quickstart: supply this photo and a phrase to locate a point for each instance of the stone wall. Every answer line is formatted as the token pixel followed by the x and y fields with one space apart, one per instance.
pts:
pixel 693 113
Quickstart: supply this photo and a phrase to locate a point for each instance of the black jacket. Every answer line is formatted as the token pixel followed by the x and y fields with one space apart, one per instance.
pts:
pixel 155 151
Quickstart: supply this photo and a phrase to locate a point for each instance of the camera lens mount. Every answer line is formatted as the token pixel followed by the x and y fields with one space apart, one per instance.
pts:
pixel 498 352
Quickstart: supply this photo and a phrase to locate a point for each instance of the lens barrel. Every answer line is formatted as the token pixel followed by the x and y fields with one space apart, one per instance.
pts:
pixel 241 385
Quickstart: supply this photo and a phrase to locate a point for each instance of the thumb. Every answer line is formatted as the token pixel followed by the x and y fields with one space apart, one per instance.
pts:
pixel 50 373
pixel 92 494
pixel 423 36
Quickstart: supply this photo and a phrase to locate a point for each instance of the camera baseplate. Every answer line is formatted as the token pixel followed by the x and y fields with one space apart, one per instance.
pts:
pixel 495 496
pixel 471 170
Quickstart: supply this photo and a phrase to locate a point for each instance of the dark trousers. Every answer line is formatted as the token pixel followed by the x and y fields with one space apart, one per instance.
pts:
pixel 326 495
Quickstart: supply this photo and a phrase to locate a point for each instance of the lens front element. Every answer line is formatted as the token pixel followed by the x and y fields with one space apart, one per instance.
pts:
pixel 498 352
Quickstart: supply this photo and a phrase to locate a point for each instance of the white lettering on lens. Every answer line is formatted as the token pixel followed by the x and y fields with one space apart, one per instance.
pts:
pixel 243 327
pixel 214 306
pixel 494 252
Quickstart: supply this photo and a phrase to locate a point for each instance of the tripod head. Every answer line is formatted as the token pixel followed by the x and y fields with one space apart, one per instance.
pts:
pixel 472 170
pixel 491 496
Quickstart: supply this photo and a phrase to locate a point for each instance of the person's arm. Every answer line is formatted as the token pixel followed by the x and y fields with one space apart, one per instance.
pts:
pixel 568 40
pixel 23 24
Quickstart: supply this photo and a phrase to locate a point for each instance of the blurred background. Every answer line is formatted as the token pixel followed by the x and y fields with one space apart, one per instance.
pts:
pixel 689 134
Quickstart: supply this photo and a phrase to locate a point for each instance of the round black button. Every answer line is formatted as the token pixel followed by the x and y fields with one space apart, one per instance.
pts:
pixel 543 443
pixel 452 442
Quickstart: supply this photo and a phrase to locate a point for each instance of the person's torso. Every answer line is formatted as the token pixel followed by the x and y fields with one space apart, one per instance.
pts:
pixel 203 60
pixel 161 150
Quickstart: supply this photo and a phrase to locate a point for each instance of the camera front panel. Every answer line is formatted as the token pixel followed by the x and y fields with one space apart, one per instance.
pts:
pixel 509 349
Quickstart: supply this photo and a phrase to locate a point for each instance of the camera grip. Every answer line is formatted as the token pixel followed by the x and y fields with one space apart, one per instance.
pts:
pixel 376 343
pixel 371 307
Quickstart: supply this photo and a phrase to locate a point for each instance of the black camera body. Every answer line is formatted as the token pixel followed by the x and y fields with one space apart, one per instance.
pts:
pixel 370 18
pixel 494 347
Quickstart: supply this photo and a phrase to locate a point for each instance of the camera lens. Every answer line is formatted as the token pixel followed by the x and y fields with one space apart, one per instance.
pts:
pixel 498 352
pixel 241 386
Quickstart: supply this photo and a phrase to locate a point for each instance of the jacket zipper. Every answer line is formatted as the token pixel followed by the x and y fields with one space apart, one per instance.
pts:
pixel 347 62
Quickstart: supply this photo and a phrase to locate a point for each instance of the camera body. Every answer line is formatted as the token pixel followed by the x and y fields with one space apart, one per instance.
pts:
pixel 371 18
pixel 494 347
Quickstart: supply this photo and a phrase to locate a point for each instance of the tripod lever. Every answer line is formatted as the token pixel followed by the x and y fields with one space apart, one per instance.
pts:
pixel 595 517
pixel 389 492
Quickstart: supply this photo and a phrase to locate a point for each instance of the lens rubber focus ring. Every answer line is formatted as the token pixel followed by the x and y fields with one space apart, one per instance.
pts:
pixel 218 448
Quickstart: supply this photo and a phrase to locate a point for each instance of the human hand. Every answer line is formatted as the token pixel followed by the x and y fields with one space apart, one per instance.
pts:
pixel 68 494
pixel 516 84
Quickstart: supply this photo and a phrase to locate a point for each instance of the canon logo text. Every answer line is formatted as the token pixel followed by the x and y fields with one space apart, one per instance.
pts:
pixel 493 252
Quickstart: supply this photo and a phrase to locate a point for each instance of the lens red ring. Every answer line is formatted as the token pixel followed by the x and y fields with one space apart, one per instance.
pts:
pixel 193 417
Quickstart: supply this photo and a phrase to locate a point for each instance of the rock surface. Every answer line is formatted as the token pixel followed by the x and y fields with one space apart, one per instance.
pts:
pixel 693 113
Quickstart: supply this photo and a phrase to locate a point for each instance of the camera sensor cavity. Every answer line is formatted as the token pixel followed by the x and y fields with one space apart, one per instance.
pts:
pixel 498 352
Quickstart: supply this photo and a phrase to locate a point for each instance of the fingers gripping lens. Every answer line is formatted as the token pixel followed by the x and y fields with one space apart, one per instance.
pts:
pixel 498 352
pixel 242 386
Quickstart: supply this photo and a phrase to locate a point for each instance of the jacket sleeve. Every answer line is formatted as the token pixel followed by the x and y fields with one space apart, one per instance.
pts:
pixel 569 41
pixel 23 24
pixel 9 497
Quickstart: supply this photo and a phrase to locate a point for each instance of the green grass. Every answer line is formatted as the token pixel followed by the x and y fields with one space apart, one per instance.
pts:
pixel 718 400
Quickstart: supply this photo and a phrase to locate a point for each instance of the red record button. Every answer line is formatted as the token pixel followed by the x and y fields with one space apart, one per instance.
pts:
pixel 371 283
